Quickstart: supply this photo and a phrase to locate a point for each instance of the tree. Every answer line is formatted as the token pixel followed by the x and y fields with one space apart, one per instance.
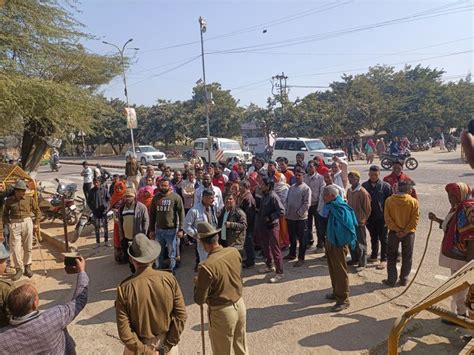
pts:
pixel 48 78
pixel 224 114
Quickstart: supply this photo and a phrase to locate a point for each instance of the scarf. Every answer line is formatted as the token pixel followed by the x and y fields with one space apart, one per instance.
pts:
pixel 118 194
pixel 342 223
pixel 145 195
pixel 460 225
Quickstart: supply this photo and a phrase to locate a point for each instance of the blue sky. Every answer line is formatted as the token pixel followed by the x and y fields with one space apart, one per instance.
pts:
pixel 323 57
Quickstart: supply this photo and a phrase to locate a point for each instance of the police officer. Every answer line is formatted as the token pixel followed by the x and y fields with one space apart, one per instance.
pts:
pixel 219 284
pixel 17 215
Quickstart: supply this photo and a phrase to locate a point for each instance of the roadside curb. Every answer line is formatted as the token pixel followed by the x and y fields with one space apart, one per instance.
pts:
pixel 103 165
pixel 56 241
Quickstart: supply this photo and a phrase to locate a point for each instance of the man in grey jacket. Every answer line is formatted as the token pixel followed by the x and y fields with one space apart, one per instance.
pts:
pixel 297 206
pixel 133 219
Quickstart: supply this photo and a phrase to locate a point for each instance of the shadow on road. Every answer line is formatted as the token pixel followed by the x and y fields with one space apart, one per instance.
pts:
pixel 355 336
pixel 300 305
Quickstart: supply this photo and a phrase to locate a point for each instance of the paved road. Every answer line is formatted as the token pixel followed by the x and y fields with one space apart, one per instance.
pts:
pixel 291 317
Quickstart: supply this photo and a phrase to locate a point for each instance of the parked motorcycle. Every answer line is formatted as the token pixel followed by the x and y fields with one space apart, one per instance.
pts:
pixel 387 160
pixel 85 225
pixel 451 146
pixel 51 207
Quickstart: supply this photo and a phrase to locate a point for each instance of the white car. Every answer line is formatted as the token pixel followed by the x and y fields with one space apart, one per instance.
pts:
pixel 311 147
pixel 147 154
pixel 223 149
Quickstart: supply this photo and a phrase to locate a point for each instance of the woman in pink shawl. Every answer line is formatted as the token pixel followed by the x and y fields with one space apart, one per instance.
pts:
pixel 145 195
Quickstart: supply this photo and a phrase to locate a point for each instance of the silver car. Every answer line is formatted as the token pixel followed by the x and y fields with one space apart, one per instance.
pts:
pixel 146 154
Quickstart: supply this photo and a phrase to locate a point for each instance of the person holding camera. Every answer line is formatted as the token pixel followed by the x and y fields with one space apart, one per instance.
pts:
pixel 43 332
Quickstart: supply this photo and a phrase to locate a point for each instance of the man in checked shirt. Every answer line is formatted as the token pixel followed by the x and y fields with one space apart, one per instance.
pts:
pixel 34 332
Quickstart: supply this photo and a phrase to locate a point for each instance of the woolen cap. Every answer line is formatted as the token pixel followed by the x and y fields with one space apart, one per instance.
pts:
pixel 20 185
pixel 130 192
pixel 206 230
pixel 144 250
pixel 355 173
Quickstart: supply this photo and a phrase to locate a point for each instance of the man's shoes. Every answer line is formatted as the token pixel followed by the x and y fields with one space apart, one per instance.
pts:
pixel 298 263
pixel 248 266
pixel 323 258
pixel 381 266
pixel 372 259
pixel 97 246
pixel 107 244
pixel 330 296
pixel 290 257
pixel 338 307
pixel 311 242
pixel 360 268
pixel 353 263
pixel 28 273
pixel 388 283
pixel 319 250
pixel 277 278
pixel 17 275
pixel 403 282
pixel 266 270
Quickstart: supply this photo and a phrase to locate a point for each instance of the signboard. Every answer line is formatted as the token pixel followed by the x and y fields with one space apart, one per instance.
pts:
pixel 131 117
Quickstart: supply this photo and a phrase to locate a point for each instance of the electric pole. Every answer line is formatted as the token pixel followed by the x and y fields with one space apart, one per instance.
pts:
pixel 279 84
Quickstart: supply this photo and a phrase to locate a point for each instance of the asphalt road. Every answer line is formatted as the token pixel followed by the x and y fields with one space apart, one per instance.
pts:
pixel 292 317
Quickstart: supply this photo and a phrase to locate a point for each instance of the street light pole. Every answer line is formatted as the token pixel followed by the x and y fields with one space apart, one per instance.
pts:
pixel 122 63
pixel 203 28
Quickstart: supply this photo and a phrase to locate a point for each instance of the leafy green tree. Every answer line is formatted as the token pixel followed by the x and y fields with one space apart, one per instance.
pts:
pixel 224 114
pixel 47 78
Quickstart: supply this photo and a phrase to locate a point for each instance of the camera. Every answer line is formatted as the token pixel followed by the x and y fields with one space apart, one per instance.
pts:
pixel 70 263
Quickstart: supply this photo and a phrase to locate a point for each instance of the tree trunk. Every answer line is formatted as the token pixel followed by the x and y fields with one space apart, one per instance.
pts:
pixel 32 150
pixel 114 149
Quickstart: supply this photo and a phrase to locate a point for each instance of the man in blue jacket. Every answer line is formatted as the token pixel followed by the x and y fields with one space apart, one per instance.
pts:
pixel 340 235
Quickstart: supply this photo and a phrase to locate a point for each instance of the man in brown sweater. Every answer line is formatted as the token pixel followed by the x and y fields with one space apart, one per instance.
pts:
pixel 359 199
pixel 219 284
pixel 150 306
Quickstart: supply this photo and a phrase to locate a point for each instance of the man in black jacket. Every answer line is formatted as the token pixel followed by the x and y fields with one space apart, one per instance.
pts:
pixel 379 191
pixel 98 201
pixel 268 228
pixel 233 224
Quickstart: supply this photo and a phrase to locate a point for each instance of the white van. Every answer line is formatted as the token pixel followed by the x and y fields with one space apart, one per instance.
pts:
pixel 311 147
pixel 222 150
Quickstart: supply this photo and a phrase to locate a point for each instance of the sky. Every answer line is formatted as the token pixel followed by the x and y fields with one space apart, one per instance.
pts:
pixel 249 42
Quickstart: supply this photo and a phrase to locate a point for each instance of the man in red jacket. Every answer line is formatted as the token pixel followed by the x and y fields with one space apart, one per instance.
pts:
pixel 396 176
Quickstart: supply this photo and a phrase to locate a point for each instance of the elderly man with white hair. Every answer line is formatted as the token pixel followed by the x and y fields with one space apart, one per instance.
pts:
pixel 341 233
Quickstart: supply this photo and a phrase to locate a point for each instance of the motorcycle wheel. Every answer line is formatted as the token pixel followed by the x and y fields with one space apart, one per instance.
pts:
pixel 386 163
pixel 411 163
pixel 71 219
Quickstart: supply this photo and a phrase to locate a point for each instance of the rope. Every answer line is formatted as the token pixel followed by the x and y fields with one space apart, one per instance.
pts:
pixel 412 280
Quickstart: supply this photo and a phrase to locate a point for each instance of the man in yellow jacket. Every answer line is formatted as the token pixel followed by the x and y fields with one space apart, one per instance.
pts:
pixel 401 216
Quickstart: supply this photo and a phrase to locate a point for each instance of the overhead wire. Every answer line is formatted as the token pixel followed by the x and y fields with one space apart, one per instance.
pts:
pixel 251 84
pixel 434 12
pixel 258 27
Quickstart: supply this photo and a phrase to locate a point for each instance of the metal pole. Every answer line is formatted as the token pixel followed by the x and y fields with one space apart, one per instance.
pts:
pixel 84 146
pixel 203 27
pixel 65 223
pixel 122 63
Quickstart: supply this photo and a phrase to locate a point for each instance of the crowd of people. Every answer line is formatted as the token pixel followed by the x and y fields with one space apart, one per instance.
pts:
pixel 232 216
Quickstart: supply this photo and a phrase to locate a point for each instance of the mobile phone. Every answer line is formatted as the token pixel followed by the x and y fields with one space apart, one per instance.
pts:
pixel 70 264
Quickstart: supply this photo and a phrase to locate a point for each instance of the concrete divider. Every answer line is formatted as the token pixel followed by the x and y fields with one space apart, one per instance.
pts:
pixel 113 166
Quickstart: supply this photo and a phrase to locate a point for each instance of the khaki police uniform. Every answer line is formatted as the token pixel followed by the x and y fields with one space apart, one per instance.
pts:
pixel 17 215
pixel 219 284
